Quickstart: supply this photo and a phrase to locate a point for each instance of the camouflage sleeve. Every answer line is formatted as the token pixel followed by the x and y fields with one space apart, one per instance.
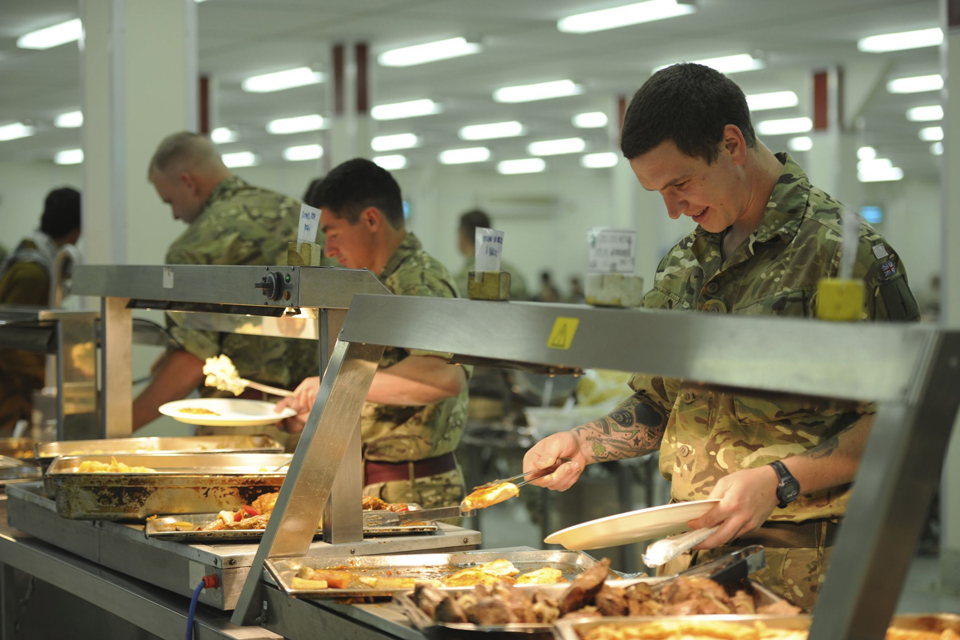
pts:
pixel 888 295
pixel 190 248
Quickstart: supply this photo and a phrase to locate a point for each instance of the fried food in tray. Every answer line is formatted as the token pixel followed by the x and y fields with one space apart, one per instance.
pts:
pixel 483 497
pixel 93 466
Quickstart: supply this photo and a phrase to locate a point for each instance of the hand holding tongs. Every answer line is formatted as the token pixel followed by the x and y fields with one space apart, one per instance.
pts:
pixel 527 477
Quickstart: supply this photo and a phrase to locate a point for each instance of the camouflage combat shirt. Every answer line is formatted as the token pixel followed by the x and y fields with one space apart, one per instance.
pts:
pixel 710 434
pixel 393 433
pixel 245 225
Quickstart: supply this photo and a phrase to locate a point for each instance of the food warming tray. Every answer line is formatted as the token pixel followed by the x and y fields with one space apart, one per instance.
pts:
pixel 424 566
pixel 182 483
pixel 18 447
pixel 574 629
pixel 18 470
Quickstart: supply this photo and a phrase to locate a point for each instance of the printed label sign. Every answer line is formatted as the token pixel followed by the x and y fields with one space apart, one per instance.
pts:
pixel 309 223
pixel 612 251
pixel 561 336
pixel 489 246
pixel 168 277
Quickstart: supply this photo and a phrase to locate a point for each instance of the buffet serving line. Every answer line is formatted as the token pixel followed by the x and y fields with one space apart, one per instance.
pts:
pixel 326 563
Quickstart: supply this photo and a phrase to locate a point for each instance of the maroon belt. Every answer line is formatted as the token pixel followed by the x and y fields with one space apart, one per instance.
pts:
pixel 375 472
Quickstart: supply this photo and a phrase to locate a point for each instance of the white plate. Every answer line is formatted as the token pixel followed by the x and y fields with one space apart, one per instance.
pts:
pixel 232 412
pixel 632 526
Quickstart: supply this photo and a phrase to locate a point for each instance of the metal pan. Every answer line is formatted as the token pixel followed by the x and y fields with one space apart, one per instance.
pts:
pixel 22 448
pixel 18 470
pixel 574 630
pixel 425 623
pixel 935 622
pixel 423 566
pixel 182 483
pixel 162 528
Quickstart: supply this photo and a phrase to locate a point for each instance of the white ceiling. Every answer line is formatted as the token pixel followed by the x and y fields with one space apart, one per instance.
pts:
pixel 239 38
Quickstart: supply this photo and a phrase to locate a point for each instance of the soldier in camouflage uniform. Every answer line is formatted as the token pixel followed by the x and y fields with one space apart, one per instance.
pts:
pixel 416 409
pixel 766 237
pixel 231 223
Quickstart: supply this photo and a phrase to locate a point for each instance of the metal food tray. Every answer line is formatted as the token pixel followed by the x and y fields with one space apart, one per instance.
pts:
pixel 182 483
pixel 160 528
pixel 22 448
pixel 936 622
pixel 572 629
pixel 425 566
pixel 46 452
pixel 18 470
pixel 425 623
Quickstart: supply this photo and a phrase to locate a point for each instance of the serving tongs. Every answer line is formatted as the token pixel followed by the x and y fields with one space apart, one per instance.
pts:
pixel 726 570
pixel 390 518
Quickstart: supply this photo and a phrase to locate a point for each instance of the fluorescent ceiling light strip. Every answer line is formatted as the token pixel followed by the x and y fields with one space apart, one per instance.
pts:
pixel 429 52
pixel 916 84
pixel 524 165
pixel 538 91
pixel 69 156
pixel 626 15
pixel 239 159
pixel 925 114
pixel 874 164
pixel 936 148
pixel 784 126
pixel 223 135
pixel 556 147
pixel 15 131
pixel 727 64
pixel 296 124
pixel 931 134
pixel 54 36
pixel 590 120
pixel 773 100
pixel 902 40
pixel 69 120
pixel 885 175
pixel 280 80
pixel 394 142
pixel 599 160
pixel 463 156
pixel 391 162
pixel 303 152
pixel 408 109
pixel 800 143
pixel 490 131
pixel 866 153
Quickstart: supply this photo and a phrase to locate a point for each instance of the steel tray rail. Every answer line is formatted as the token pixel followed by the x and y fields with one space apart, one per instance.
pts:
pixel 910 370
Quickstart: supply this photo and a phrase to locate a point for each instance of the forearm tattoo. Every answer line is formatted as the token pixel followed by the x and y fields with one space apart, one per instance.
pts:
pixel 633 429
pixel 829 447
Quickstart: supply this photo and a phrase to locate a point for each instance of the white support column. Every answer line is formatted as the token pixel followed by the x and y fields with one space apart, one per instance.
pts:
pixel 950 280
pixel 832 162
pixel 349 93
pixel 138 83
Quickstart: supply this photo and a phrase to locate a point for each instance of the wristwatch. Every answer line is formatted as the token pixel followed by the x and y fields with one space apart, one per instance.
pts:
pixel 788 489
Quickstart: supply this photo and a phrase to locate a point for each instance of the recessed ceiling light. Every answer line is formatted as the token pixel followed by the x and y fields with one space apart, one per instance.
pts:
pixel 925 114
pixel 69 156
pixel 303 152
pixel 429 52
pixel 296 124
pixel 280 80
pixel 54 36
pixel 392 162
pixel 556 147
pixel 599 160
pixel 239 159
pixel 395 141
pixel 931 134
pixel 15 131
pixel 223 135
pixel 464 156
pixel 902 40
pixel 800 143
pixel 784 126
pixel 408 109
pixel 490 131
pixel 878 170
pixel 936 148
pixel 538 91
pixel 524 165
pixel 624 16
pixel 727 64
pixel 69 120
pixel 916 84
pixel 866 153
pixel 874 164
pixel 590 120
pixel 773 100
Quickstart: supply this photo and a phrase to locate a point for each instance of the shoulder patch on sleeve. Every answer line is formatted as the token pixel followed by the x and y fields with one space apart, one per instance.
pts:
pixel 880 251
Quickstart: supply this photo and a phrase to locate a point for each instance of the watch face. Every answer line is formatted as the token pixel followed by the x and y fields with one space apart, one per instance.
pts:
pixel 790 491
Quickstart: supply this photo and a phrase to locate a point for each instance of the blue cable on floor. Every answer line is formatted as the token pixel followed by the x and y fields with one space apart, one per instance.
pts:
pixel 193 608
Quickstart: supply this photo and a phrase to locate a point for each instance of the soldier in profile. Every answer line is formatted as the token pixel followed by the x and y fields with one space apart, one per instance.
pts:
pixel 416 409
pixel 782 467
pixel 230 222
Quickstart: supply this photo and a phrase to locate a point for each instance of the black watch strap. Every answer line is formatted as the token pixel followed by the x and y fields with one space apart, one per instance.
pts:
pixel 788 489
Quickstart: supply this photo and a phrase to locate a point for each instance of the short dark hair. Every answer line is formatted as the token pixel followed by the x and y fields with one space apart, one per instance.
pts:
pixel 689 104
pixel 61 213
pixel 472 220
pixel 310 187
pixel 356 185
